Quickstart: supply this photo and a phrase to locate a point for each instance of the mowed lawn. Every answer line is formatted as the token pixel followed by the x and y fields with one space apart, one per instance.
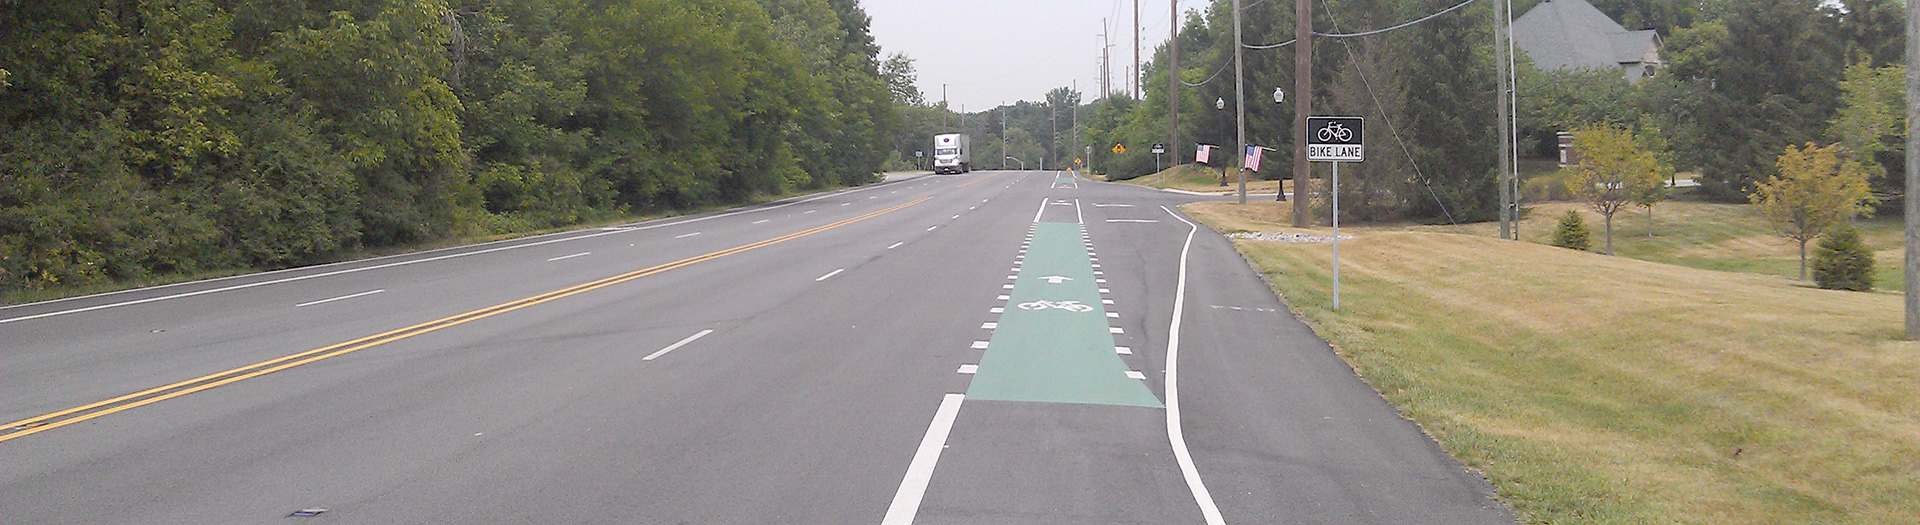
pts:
pixel 1732 237
pixel 1596 389
pixel 1202 179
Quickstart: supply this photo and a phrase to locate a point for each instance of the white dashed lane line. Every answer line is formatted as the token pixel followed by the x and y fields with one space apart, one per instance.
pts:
pixel 565 257
pixel 340 298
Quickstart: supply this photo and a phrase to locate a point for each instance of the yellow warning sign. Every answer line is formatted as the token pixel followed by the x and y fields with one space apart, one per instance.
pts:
pixel 1117 148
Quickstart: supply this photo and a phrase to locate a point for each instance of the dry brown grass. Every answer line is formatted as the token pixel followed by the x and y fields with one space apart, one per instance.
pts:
pixel 1613 390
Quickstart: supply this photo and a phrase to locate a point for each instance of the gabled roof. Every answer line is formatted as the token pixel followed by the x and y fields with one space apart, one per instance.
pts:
pixel 1573 34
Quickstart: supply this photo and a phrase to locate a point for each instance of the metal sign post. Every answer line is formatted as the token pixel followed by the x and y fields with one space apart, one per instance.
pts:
pixel 1159 149
pixel 1336 140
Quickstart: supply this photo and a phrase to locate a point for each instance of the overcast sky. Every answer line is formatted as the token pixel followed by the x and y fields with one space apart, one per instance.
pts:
pixel 990 52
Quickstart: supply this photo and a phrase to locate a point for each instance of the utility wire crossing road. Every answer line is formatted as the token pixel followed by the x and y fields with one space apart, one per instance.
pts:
pixel 857 356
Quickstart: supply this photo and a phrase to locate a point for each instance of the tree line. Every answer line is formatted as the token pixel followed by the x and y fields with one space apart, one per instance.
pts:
pixel 1746 79
pixel 178 136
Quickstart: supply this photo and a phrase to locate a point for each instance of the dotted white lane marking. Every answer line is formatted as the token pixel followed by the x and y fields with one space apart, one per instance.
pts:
pixel 979 345
pixel 896 245
pixel 829 275
pixel 1122 350
pixel 989 326
pixel 1136 374
pixel 969 369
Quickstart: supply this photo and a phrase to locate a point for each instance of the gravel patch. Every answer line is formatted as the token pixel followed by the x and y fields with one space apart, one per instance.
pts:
pixel 1286 237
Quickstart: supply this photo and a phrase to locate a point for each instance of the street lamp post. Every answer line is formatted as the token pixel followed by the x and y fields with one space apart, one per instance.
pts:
pixel 1023 164
pixel 1280 97
pixel 1220 103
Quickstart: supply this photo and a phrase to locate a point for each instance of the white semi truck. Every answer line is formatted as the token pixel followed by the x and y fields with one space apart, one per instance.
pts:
pixel 952 153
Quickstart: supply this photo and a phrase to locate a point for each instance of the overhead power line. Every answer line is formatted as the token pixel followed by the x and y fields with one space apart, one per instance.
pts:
pixel 1456 7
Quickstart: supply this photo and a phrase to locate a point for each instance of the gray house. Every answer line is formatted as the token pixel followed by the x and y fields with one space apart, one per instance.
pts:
pixel 1572 34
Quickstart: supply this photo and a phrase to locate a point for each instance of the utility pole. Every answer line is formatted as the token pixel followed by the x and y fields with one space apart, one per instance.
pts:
pixel 1513 123
pixel 1003 135
pixel 1913 170
pixel 1500 51
pixel 1303 106
pixel 1106 47
pixel 1239 102
pixel 1134 78
pixel 943 107
pixel 1173 83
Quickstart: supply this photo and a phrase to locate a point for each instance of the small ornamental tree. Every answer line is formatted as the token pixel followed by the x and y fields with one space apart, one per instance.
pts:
pixel 1817 188
pixel 1842 262
pixel 1614 171
pixel 1572 233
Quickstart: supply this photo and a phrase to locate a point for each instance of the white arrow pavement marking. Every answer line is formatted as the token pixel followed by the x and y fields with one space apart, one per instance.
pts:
pixel 683 342
pixel 1055 279
pixel 343 297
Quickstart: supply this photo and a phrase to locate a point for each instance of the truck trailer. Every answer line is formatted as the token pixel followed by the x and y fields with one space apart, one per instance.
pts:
pixel 952 153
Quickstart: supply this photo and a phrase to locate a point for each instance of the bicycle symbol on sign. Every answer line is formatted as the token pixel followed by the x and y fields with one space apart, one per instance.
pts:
pixel 1335 132
pixel 1071 306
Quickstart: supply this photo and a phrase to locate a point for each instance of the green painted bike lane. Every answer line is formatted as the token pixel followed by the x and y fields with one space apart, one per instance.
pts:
pixel 1052 343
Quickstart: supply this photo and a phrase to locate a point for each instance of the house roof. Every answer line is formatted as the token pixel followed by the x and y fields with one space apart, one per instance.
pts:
pixel 1572 34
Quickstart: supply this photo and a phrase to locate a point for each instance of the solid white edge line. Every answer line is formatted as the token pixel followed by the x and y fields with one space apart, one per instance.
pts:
pixel 343 297
pixel 829 275
pixel 1077 217
pixel 1043 209
pixel 676 346
pixel 565 257
pixel 378 266
pixel 1174 434
pixel 906 501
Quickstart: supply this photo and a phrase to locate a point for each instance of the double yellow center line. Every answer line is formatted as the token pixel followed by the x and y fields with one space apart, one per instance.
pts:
pixel 42 423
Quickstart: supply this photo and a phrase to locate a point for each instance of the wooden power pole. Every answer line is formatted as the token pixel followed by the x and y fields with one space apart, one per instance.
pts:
pixel 1913 170
pixel 1173 86
pixel 1302 106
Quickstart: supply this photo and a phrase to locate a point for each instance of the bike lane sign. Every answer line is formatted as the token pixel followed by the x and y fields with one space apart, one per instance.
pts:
pixel 1335 139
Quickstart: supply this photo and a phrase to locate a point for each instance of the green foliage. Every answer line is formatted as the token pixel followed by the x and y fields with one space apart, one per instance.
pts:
pixel 141 138
pixel 1571 233
pixel 1872 125
pixel 1770 70
pixel 1842 262
pixel 1817 188
pixel 1614 171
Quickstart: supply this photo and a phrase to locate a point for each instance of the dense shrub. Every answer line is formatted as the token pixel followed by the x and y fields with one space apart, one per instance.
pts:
pixel 1842 262
pixel 1572 233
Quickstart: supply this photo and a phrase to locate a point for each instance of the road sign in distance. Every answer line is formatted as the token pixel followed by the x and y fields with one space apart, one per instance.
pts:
pixel 1159 148
pixel 1117 148
pixel 1335 139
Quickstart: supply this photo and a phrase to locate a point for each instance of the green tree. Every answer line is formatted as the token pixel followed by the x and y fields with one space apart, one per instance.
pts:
pixel 1771 70
pixel 1872 127
pixel 1842 262
pixel 1816 188
pixel 1613 172
pixel 1571 232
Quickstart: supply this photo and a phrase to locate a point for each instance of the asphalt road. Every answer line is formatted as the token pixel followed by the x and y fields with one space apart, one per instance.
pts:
pixel 928 350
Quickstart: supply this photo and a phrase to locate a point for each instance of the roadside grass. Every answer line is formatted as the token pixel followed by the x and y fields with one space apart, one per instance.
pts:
pixel 1714 236
pixel 1595 389
pixel 51 293
pixel 1202 179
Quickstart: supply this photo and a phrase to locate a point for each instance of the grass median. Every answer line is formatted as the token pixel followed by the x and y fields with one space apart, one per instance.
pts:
pixel 1596 389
